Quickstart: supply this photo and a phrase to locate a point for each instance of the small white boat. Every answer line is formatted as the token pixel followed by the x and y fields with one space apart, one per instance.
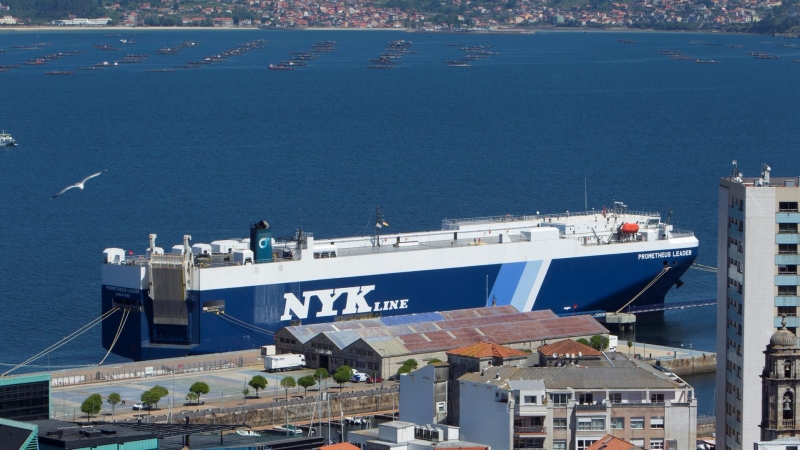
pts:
pixel 243 432
pixel 6 140
pixel 289 429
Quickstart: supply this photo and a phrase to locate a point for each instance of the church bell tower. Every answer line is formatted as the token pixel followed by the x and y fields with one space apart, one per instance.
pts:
pixel 779 383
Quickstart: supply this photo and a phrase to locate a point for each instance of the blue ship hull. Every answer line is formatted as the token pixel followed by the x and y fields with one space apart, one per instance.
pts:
pixel 604 282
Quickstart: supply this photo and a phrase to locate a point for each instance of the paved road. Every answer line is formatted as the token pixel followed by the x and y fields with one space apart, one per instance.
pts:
pixel 226 391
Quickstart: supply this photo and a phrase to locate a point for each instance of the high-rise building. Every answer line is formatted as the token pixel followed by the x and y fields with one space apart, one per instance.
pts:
pixel 757 282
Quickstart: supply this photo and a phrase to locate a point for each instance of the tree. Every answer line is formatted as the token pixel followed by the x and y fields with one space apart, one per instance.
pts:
pixel 245 392
pixel 434 361
pixel 306 382
pixel 321 374
pixel 113 399
pixel 149 398
pixel 257 382
pixel 343 375
pixel 630 344
pixel 199 388
pixel 92 405
pixel 599 342
pixel 411 362
pixel 288 383
pixel 584 342
pixel 191 397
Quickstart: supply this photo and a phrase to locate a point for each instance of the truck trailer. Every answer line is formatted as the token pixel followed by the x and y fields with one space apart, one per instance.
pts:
pixel 287 361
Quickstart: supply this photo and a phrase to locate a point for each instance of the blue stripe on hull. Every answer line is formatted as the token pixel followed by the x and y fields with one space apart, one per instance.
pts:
pixel 603 282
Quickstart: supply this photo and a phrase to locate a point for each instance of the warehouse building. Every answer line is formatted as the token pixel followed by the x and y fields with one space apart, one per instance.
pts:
pixel 380 346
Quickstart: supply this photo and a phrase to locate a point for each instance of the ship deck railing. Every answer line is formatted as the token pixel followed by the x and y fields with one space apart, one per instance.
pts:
pixel 407 246
pixel 512 218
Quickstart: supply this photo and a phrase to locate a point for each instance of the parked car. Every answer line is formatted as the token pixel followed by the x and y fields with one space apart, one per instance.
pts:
pixel 374 380
pixel 359 377
pixel 140 406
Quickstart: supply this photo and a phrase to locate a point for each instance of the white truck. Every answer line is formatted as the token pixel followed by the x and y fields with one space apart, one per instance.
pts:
pixel 287 361
pixel 612 343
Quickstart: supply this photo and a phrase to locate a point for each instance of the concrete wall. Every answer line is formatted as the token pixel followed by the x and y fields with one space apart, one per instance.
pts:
pixel 484 420
pixel 688 366
pixel 417 396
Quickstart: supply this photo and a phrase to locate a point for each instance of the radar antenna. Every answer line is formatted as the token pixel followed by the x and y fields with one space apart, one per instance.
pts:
pixel 669 216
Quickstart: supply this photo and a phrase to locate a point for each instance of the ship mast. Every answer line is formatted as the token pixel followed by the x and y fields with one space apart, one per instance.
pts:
pixel 379 223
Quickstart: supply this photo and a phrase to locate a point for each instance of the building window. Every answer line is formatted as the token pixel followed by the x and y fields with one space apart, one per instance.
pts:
pixel 562 445
pixel 787 206
pixel 615 397
pixel 559 422
pixel 617 423
pixel 530 399
pixel 583 444
pixel 788 311
pixel 591 423
pixel 787 270
pixel 560 399
pixel 585 399
pixel 787 249
pixel 656 423
pixel 787 228
pixel 656 398
pixel 787 290
pixel 637 423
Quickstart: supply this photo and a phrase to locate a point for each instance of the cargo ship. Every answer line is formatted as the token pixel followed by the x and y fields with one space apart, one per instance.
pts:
pixel 233 294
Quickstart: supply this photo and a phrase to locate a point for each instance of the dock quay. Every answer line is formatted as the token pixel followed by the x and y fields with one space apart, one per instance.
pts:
pixel 678 360
pixel 227 375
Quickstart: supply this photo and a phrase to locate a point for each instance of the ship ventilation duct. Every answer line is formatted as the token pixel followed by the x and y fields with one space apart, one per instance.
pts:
pixel 261 241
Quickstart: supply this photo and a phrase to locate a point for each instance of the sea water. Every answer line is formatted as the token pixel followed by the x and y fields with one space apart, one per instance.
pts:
pixel 552 122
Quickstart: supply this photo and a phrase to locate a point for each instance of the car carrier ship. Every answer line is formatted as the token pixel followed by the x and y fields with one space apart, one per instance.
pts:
pixel 234 294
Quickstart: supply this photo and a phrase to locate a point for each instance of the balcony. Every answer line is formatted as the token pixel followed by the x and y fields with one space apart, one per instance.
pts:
pixel 783 260
pixel 580 408
pixel 787 217
pixel 638 405
pixel 530 430
pixel 787 424
pixel 787 238
pixel 787 280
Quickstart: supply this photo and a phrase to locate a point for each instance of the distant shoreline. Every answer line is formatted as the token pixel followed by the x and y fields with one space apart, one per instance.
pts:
pixel 529 31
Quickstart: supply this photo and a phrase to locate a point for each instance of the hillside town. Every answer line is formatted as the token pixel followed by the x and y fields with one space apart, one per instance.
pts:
pixel 449 15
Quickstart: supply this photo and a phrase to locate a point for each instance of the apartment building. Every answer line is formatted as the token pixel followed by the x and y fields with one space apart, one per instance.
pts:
pixel 577 399
pixel 757 280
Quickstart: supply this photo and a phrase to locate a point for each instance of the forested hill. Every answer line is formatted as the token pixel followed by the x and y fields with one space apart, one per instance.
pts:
pixel 54 9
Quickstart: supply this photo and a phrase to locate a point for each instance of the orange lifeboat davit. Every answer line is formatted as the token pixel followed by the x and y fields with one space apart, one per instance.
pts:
pixel 629 228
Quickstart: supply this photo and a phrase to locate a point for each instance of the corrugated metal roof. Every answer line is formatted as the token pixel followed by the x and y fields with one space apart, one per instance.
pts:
pixel 412 318
pixel 452 329
pixel 342 339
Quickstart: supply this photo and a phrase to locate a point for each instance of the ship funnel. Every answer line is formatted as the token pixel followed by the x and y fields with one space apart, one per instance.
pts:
pixel 261 241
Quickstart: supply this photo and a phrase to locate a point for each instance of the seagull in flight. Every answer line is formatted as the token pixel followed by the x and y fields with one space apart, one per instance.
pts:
pixel 79 184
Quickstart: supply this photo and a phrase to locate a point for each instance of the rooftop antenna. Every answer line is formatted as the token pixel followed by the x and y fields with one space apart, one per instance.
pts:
pixel 765 170
pixel 736 176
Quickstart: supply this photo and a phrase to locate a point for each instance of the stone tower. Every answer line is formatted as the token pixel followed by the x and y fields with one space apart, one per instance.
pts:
pixel 779 383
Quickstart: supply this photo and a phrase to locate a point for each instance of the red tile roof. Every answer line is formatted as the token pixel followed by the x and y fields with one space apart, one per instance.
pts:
pixel 487 350
pixel 609 442
pixel 568 346
pixel 340 446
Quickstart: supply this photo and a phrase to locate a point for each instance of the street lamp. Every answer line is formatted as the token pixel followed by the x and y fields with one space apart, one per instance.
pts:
pixel 383 356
